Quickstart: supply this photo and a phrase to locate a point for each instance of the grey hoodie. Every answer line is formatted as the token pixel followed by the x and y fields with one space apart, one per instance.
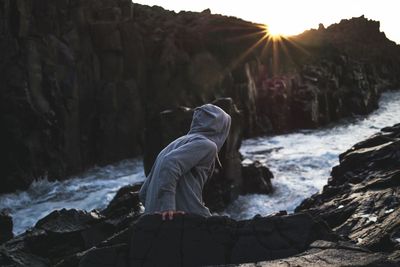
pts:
pixel 181 169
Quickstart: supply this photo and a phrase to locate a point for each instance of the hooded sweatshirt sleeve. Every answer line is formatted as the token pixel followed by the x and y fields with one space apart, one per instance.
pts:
pixel 180 161
pixel 145 185
pixel 143 191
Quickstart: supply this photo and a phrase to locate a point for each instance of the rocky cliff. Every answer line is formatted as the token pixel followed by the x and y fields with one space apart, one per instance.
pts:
pixel 82 80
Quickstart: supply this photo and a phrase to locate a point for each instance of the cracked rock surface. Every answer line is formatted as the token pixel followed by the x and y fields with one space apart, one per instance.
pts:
pixel 322 253
pixel 190 240
pixel 362 199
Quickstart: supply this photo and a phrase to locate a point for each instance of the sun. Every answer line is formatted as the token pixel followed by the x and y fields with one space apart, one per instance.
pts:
pixel 273 33
pixel 278 31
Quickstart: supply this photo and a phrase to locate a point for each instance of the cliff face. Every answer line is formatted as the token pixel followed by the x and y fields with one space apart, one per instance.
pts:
pixel 327 74
pixel 81 80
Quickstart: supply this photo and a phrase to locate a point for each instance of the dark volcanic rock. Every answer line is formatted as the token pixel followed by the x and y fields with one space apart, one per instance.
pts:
pixel 124 207
pixel 362 198
pixel 6 226
pixel 58 235
pixel 191 240
pixel 256 179
pixel 65 235
pixel 65 238
pixel 329 254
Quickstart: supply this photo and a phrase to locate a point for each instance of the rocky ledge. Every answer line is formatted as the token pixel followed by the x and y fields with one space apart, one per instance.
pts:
pixel 355 221
pixel 361 201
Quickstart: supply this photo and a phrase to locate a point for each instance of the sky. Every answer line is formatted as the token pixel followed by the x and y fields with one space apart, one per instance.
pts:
pixel 289 17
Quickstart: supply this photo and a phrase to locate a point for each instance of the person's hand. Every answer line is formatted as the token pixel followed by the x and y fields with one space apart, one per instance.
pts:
pixel 169 214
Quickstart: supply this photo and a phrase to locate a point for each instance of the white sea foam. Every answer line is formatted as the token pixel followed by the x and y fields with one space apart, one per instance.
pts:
pixel 93 189
pixel 302 161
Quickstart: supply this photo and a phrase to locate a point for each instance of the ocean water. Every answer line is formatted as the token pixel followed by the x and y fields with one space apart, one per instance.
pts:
pixel 301 163
pixel 93 189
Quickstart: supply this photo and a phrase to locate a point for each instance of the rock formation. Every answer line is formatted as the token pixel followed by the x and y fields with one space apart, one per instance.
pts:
pixel 63 233
pixel 329 254
pixel 256 179
pixel 196 241
pixel 362 198
pixel 72 238
pixel 360 204
pixel 6 226
pixel 82 80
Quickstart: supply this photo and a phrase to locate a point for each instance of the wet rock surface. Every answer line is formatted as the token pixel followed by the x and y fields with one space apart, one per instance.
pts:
pixel 329 254
pixel 82 80
pixel 256 179
pixel 361 201
pixel 64 235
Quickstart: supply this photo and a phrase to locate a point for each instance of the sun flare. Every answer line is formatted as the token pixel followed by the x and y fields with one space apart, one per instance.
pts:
pixel 273 33
pixel 279 29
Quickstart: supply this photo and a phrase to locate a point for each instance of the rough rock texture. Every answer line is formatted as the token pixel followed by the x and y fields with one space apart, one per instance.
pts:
pixel 256 179
pixel 72 238
pixel 196 241
pixel 64 233
pixel 82 79
pixel 362 199
pixel 6 226
pixel 329 254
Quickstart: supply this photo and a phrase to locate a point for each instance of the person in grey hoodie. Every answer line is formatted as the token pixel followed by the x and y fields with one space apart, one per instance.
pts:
pixel 175 182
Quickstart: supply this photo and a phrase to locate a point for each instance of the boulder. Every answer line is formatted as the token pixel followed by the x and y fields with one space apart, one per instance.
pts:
pixel 64 235
pixel 190 240
pixel 256 179
pixel 6 226
pixel 124 208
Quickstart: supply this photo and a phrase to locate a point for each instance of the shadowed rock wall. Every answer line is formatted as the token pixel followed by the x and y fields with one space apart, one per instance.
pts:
pixel 81 79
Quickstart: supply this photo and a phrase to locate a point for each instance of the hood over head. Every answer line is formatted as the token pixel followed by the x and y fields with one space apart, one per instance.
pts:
pixel 212 122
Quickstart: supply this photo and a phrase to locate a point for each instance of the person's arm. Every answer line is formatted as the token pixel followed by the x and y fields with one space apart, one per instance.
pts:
pixel 180 161
pixel 145 185
pixel 143 190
